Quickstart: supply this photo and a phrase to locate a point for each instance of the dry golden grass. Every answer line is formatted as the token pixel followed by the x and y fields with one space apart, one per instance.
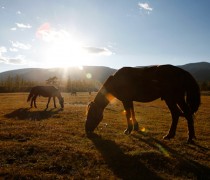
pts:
pixel 52 144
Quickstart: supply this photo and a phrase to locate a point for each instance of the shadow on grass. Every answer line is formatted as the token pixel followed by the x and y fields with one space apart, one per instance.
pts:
pixel 124 166
pixel 183 165
pixel 26 114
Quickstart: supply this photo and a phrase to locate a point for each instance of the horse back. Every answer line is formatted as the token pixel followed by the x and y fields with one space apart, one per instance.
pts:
pixel 148 83
pixel 45 91
pixel 134 84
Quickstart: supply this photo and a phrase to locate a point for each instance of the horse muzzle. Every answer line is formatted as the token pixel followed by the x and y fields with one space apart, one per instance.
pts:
pixel 89 127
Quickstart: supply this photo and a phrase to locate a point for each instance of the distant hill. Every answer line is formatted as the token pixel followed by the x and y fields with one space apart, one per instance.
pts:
pixel 201 72
pixel 98 73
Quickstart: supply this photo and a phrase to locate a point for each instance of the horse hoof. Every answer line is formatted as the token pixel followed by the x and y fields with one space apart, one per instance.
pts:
pixel 190 141
pixel 168 137
pixel 127 131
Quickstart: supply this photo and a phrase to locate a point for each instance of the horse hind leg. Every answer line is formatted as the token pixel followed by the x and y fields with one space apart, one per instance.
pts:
pixel 32 100
pixel 54 102
pixel 175 113
pixel 190 122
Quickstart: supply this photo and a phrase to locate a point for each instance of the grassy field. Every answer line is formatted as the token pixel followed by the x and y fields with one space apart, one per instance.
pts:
pixel 52 144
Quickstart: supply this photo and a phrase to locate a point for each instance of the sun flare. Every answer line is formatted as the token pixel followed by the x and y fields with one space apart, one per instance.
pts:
pixel 62 48
pixel 65 52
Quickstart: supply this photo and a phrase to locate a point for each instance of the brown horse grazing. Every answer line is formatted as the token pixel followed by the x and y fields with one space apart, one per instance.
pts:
pixel 73 93
pixel 167 82
pixel 45 91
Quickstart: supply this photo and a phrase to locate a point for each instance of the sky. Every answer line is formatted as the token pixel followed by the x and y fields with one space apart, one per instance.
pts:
pixel 112 33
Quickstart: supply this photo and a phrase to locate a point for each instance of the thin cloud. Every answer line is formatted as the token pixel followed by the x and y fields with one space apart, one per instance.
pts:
pixel 23 26
pixel 16 61
pixel 13 29
pixel 20 45
pixel 2 60
pixel 8 60
pixel 145 6
pixel 98 51
pixel 2 50
pixel 13 49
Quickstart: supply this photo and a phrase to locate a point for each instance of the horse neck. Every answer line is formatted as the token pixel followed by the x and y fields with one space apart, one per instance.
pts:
pixel 101 98
pixel 104 95
pixel 58 95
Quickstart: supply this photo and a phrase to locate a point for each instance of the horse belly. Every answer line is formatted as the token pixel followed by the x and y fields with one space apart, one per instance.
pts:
pixel 147 98
pixel 135 94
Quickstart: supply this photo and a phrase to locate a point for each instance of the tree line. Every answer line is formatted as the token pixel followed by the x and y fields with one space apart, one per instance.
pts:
pixel 18 84
pixel 205 85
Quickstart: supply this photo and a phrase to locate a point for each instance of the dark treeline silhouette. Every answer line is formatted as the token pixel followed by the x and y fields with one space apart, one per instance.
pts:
pixel 204 86
pixel 18 84
pixel 15 84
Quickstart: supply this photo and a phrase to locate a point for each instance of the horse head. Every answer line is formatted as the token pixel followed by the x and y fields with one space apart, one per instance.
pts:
pixel 94 117
pixel 61 101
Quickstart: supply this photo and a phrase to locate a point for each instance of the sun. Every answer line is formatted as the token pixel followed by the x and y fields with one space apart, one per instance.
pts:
pixel 65 52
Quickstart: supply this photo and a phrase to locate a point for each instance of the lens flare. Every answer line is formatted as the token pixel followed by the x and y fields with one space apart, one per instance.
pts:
pixel 162 150
pixel 109 97
pixel 89 76
pixel 143 129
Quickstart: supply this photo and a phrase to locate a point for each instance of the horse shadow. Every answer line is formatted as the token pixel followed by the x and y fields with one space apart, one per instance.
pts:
pixel 124 166
pixel 185 165
pixel 127 166
pixel 26 114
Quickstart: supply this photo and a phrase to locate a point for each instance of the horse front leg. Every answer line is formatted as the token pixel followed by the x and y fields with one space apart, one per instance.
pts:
pixel 129 122
pixel 130 116
pixel 48 102
pixel 135 123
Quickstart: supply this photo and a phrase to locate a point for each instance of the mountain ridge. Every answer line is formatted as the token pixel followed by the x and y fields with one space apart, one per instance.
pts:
pixel 200 71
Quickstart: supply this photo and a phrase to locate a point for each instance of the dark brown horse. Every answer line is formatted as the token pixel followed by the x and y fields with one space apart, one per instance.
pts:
pixel 45 91
pixel 172 84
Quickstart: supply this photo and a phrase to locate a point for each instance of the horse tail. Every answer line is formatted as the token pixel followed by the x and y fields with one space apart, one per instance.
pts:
pixel 193 94
pixel 30 96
